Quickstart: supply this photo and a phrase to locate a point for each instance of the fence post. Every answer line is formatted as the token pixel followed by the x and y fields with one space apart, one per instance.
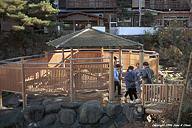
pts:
pixel 111 76
pixel 71 77
pixel 166 92
pixel 141 59
pixel 143 92
pixel 1 99
pixel 157 69
pixel 63 57
pixel 24 96
pixel 120 63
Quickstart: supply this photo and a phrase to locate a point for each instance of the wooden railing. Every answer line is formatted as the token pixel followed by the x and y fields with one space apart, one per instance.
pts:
pixel 162 93
pixel 39 74
pixel 38 77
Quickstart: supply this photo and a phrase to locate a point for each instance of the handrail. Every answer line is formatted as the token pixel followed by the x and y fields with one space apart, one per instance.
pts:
pixel 88 58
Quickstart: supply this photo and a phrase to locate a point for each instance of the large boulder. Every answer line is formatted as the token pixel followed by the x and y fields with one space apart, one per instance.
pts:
pixel 14 102
pixel 52 108
pixel 34 113
pixel 11 118
pixel 48 120
pixel 71 105
pixel 130 112
pixel 113 110
pixel 90 112
pixel 67 116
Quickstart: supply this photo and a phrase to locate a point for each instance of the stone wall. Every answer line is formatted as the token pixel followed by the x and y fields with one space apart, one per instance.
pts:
pixel 88 114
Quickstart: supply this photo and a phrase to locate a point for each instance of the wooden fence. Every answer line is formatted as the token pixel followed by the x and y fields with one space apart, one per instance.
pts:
pixel 60 73
pixel 162 93
pixel 36 76
pixel 129 56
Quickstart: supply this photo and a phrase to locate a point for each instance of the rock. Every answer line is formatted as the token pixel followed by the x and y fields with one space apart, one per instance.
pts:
pixel 12 118
pixel 104 119
pixel 14 102
pixel 71 105
pixel 67 116
pixel 130 112
pixel 113 110
pixel 90 112
pixel 48 120
pixel 52 108
pixel 47 101
pixel 34 113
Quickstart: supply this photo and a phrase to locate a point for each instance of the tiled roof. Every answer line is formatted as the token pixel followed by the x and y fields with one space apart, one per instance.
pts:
pixel 91 38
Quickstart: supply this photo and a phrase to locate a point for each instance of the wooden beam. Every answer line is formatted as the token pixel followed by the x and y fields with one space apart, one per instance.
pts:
pixel 71 77
pixel 63 57
pixel 24 96
pixel 143 92
pixel 120 63
pixel 111 76
pixel 141 59
pixel 157 69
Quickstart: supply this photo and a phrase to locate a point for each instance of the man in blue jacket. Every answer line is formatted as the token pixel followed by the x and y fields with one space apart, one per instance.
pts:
pixel 116 78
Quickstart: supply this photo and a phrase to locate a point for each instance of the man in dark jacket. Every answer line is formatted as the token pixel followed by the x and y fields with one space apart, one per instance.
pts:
pixel 148 73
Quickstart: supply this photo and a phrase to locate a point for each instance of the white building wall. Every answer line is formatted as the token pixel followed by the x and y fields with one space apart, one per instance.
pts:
pixel 99 28
pixel 134 30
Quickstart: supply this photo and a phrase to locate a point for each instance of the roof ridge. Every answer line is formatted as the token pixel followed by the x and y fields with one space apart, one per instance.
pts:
pixel 80 32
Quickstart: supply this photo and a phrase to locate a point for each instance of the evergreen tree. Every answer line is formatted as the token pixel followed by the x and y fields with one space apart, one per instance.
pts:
pixel 27 13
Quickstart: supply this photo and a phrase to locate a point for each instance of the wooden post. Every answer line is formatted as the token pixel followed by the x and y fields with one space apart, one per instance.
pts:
pixel 120 63
pixel 143 92
pixel 24 96
pixel 157 69
pixel 47 56
pixel 141 59
pixel 183 91
pixel 162 79
pixel 63 57
pixel 71 77
pixel 111 76
pixel 166 92
pixel 102 53
pixel 130 57
pixel 1 99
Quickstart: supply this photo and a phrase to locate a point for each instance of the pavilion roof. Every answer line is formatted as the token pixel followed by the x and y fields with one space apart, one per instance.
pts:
pixel 91 38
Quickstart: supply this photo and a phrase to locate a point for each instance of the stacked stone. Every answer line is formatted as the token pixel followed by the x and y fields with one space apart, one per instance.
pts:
pixel 78 114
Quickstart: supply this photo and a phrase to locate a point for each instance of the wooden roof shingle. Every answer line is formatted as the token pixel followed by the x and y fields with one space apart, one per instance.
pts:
pixel 91 38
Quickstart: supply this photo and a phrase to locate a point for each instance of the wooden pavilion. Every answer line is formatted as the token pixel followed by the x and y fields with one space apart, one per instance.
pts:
pixel 86 61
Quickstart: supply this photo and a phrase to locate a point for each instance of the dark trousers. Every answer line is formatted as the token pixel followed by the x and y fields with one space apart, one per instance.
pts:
pixel 119 87
pixel 131 92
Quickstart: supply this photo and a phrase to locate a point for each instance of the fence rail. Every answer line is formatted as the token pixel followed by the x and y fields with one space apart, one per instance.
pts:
pixel 162 93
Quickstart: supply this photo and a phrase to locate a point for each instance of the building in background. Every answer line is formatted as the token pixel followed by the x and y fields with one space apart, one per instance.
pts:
pixel 76 14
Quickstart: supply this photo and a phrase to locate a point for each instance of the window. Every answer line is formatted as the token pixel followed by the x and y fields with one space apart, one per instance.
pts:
pixel 113 18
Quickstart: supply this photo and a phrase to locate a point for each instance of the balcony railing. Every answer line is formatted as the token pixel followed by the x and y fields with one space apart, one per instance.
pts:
pixel 162 5
pixel 88 4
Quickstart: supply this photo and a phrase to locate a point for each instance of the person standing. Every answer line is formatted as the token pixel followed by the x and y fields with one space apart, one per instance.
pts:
pixel 137 69
pixel 138 81
pixel 148 73
pixel 116 79
pixel 130 78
